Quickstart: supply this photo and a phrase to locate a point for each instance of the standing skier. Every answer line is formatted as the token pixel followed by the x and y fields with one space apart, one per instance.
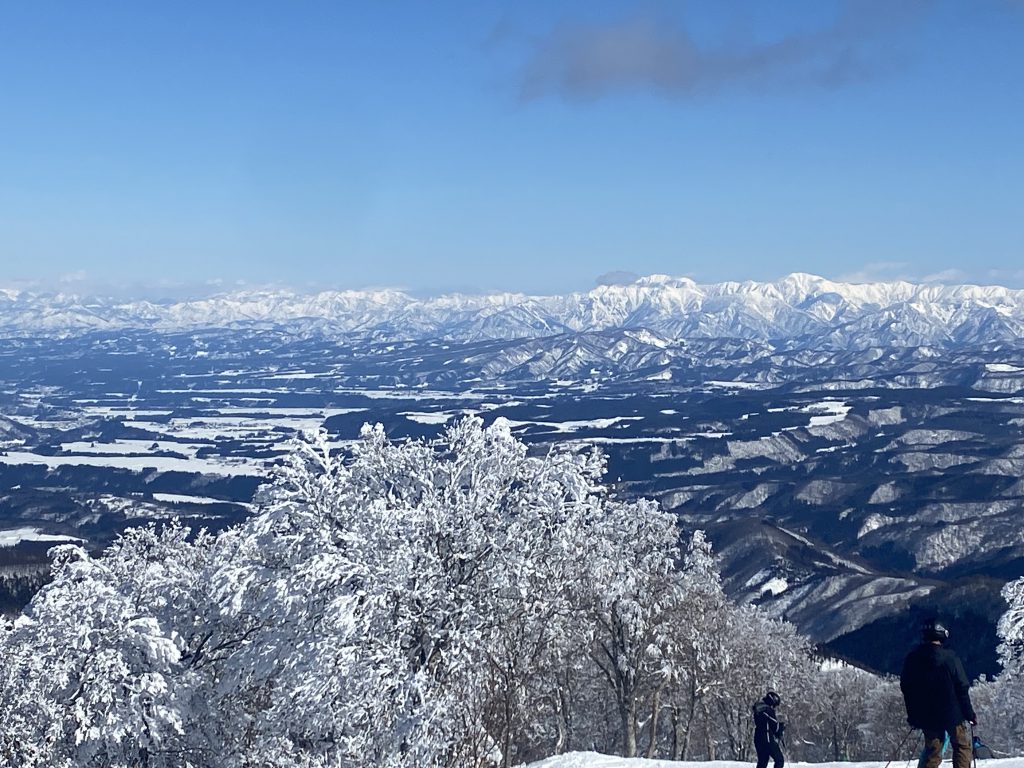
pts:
pixel 768 731
pixel 935 691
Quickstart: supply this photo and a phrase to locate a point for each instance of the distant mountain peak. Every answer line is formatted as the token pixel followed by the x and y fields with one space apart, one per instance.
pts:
pixel 800 308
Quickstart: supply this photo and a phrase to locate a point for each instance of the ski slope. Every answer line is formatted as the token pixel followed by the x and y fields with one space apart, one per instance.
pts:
pixel 594 760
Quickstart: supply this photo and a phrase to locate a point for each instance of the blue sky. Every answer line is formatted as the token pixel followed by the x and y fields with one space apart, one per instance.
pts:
pixel 527 146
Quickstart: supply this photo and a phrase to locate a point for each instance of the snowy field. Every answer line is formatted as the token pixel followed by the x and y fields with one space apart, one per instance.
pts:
pixel 594 760
pixel 12 537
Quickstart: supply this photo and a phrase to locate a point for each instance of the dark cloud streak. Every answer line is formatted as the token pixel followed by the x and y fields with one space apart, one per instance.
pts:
pixel 580 62
pixel 618 277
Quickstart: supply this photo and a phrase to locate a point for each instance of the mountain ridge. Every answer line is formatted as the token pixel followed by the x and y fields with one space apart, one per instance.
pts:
pixel 799 309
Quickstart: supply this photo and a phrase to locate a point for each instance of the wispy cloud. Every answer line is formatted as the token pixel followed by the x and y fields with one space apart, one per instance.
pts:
pixel 947 277
pixel 1010 277
pixel 888 271
pixel 82 283
pixel 580 61
pixel 878 271
pixel 618 277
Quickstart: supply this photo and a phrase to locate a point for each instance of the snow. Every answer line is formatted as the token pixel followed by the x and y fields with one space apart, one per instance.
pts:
pixel 834 558
pixel 826 412
pixel 573 426
pixel 299 375
pixel 776 586
pixel 1003 368
pixel 299 593
pixel 232 467
pixel 427 418
pixel 293 411
pixel 829 665
pixel 235 391
pixel 598 439
pixel 406 394
pixel 128 447
pixel 873 522
pixel 236 422
pixel 595 760
pixel 657 313
pixel 178 498
pixel 504 404
pixel 13 536
pixel 121 410
pixel 736 384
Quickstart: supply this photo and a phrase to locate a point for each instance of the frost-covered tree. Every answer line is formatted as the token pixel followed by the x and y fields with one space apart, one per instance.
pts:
pixel 433 603
pixel 700 630
pixel 418 604
pixel 1000 703
pixel 93 672
pixel 539 629
pixel 635 593
pixel 884 728
pixel 836 714
pixel 1011 629
pixel 760 653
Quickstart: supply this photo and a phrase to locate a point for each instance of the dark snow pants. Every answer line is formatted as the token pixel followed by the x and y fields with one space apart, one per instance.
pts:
pixel 770 749
pixel 935 744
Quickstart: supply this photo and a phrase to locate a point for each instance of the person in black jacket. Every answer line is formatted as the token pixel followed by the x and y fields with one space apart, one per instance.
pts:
pixel 768 731
pixel 935 691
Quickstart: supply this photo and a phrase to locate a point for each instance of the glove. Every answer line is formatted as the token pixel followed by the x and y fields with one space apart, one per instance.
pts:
pixel 973 721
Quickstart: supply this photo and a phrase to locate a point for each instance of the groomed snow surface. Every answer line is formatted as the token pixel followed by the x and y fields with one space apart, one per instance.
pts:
pixel 594 760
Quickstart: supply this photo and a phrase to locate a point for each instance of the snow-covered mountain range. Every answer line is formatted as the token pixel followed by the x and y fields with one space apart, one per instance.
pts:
pixel 853 450
pixel 800 310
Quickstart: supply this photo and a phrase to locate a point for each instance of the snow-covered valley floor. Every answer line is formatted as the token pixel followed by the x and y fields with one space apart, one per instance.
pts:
pixel 594 760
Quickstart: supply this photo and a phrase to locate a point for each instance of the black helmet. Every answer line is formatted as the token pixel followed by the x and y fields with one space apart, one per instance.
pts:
pixel 934 630
pixel 772 699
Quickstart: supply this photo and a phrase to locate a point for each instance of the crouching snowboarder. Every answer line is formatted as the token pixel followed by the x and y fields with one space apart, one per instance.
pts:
pixel 935 691
pixel 768 731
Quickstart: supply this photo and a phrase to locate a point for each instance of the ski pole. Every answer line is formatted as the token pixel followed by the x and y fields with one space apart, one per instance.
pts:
pixel 899 747
pixel 974 752
pixel 911 758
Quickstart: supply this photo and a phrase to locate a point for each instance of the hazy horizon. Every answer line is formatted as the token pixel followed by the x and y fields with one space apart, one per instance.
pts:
pixel 187 291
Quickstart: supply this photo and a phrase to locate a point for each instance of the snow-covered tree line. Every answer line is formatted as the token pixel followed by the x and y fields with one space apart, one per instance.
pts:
pixel 1000 702
pixel 450 603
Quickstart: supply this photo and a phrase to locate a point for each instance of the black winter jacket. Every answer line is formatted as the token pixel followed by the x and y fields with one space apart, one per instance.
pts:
pixel 935 689
pixel 766 725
